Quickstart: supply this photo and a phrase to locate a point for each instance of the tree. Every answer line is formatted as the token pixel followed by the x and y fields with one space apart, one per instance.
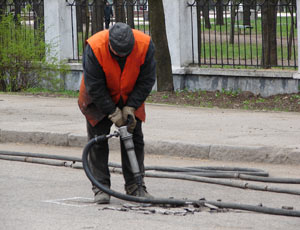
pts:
pixel 247 12
pixel 119 11
pixel 38 9
pixel 22 57
pixel 233 12
pixel 269 41
pixel 83 19
pixel 162 53
pixel 17 5
pixel 220 13
pixel 130 13
pixel 97 16
pixel 205 10
pixel 2 7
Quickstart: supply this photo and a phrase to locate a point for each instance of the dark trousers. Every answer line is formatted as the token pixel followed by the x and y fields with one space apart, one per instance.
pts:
pixel 98 157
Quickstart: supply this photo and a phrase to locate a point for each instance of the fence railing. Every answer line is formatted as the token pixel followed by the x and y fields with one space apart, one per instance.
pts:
pixel 239 33
pixel 244 33
pixel 93 16
pixel 30 11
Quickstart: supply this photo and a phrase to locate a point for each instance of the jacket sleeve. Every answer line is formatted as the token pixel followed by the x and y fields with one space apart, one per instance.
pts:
pixel 95 82
pixel 145 80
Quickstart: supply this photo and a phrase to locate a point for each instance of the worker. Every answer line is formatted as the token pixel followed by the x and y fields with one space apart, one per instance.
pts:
pixel 108 12
pixel 118 75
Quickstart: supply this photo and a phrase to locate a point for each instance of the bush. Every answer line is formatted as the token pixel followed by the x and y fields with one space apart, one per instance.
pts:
pixel 23 60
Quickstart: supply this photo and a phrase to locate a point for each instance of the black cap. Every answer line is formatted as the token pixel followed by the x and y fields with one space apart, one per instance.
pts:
pixel 121 38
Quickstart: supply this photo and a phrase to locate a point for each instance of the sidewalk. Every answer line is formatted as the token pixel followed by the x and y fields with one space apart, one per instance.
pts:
pixel 218 134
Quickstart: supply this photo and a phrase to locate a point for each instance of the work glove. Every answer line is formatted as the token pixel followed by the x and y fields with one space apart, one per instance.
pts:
pixel 129 111
pixel 117 118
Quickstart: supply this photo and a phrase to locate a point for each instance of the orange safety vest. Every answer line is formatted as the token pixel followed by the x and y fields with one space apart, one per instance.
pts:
pixel 119 84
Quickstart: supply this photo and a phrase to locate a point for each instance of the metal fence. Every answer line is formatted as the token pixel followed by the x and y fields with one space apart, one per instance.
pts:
pixel 238 33
pixel 31 12
pixel 91 17
pixel 244 33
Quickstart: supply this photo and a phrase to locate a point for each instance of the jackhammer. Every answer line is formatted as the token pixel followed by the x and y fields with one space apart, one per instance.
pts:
pixel 126 137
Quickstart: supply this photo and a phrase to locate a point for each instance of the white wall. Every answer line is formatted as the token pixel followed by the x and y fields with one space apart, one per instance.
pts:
pixel 178 26
pixel 59 30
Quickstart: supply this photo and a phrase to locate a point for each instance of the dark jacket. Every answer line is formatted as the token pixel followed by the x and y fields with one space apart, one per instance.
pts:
pixel 108 11
pixel 95 81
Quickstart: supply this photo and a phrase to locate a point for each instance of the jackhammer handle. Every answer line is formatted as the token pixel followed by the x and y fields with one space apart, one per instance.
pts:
pixel 129 120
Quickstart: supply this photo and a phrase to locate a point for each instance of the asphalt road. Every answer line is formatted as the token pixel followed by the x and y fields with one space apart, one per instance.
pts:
pixel 34 196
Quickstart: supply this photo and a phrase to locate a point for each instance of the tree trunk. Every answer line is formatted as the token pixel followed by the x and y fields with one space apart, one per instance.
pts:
pixel 130 13
pixel 2 8
pixel 79 15
pixel 17 4
pixel 199 30
pixel 162 54
pixel 247 13
pixel 38 8
pixel 269 42
pixel 119 11
pixel 205 11
pixel 97 16
pixel 220 17
pixel 232 17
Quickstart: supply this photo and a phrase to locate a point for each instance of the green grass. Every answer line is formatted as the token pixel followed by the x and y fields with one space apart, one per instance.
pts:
pixel 283 26
pixel 42 91
pixel 243 50
pixel 232 93
pixel 246 102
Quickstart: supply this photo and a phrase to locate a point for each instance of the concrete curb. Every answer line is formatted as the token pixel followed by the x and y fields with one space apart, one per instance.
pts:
pixel 258 154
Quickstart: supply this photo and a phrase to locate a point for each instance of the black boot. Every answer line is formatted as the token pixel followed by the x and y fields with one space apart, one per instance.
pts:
pixel 133 190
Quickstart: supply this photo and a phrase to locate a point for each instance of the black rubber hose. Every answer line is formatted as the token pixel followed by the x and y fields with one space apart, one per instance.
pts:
pixel 223 174
pixel 121 195
pixel 217 170
pixel 176 202
pixel 198 177
pixel 270 179
pixel 235 184
pixel 39 155
pixel 33 160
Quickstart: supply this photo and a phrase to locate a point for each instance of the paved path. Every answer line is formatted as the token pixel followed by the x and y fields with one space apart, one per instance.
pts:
pixel 218 134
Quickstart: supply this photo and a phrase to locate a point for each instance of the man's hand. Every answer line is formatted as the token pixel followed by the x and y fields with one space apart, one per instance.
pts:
pixel 129 111
pixel 117 118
